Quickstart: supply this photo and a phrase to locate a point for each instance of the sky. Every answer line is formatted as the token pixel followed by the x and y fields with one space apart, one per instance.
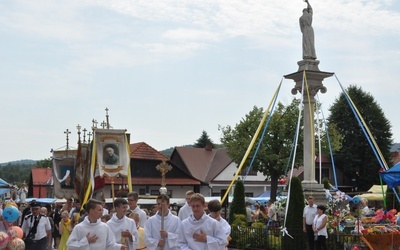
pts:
pixel 167 70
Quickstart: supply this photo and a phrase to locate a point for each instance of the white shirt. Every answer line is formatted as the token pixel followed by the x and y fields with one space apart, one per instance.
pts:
pixel 105 211
pixel 142 215
pixel 317 224
pixel 106 239
pixel 118 225
pixel 309 213
pixel 42 227
pixel 216 238
pixel 185 211
pixel 152 227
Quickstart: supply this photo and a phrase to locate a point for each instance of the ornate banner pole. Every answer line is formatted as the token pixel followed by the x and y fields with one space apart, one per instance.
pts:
pixel 163 167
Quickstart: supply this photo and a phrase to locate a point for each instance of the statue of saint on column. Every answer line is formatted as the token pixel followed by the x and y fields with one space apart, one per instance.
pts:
pixel 308 33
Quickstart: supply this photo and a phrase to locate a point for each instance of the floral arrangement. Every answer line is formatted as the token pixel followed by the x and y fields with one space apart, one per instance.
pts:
pixel 381 217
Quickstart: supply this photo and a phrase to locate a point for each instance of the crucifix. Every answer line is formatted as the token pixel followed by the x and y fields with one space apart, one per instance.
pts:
pixel 163 167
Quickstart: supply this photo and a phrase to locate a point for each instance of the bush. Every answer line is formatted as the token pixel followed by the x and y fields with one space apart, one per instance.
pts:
pixel 294 217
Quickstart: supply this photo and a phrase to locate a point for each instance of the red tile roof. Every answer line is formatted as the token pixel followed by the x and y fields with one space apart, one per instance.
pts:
pixel 41 175
pixel 142 150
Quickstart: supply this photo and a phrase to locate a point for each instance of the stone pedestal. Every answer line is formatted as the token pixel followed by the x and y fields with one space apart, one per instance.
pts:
pixel 313 77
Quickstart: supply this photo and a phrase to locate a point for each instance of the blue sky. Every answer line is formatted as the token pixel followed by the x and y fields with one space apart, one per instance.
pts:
pixel 168 70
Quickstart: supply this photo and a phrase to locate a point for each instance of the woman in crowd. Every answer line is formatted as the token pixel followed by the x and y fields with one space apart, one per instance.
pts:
pixel 319 227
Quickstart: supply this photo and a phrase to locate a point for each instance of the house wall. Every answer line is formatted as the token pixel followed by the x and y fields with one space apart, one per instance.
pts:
pixel 254 184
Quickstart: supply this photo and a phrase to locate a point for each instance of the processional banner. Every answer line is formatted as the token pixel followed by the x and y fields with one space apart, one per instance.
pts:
pixel 113 154
pixel 64 173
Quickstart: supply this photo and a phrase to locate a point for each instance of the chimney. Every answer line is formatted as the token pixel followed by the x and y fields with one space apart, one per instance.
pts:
pixel 208 147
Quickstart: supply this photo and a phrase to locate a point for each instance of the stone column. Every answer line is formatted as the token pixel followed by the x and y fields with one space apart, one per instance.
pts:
pixel 314 78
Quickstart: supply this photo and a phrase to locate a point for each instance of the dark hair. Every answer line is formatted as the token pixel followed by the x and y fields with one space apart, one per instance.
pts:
pixel 214 206
pixel 92 203
pixel 163 197
pixel 134 195
pixel 322 207
pixel 120 201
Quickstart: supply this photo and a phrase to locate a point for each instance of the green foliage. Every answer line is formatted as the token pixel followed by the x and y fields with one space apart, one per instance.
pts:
pixel 325 181
pixel 356 158
pixel 46 163
pixel 16 173
pixel 203 140
pixel 276 145
pixel 391 201
pixel 238 205
pixel 294 217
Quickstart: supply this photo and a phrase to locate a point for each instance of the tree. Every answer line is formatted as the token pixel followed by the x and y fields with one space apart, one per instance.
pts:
pixel 294 217
pixel 45 163
pixel 203 141
pixel 238 205
pixel 273 155
pixel 356 158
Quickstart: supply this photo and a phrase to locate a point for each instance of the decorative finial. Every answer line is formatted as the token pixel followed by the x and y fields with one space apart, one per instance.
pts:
pixel 94 124
pixel 67 132
pixel 84 135
pixel 89 136
pixel 103 124
pixel 108 121
pixel 78 127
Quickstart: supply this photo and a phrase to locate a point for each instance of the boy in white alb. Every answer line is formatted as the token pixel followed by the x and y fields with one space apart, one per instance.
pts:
pixel 91 233
pixel 200 231
pixel 124 228
pixel 167 238
pixel 133 199
pixel 186 210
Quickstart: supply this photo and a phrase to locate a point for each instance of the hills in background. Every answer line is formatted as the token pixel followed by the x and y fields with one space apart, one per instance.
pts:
pixel 19 162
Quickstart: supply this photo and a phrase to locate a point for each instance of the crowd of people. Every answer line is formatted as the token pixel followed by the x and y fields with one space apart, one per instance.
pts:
pixel 198 225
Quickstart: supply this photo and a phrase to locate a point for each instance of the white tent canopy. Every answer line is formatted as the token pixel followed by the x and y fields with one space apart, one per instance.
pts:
pixel 375 193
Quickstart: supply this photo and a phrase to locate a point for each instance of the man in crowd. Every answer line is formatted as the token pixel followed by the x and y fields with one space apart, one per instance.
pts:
pixel 164 238
pixel 200 231
pixel 37 229
pixel 133 198
pixel 309 213
pixel 124 228
pixel 91 233
pixel 185 211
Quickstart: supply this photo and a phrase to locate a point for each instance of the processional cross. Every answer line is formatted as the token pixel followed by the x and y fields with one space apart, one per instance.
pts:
pixel 164 168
